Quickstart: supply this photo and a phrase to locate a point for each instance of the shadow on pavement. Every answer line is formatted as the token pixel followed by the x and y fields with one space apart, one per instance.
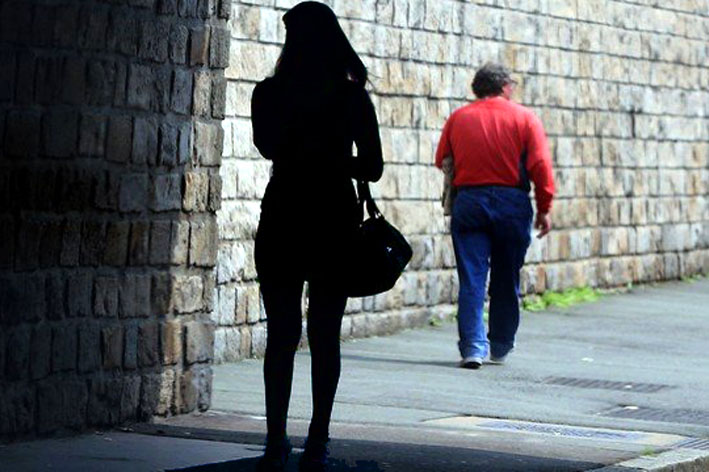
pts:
pixel 369 456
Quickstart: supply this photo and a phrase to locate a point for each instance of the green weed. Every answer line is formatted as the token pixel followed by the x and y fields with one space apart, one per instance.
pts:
pixel 567 298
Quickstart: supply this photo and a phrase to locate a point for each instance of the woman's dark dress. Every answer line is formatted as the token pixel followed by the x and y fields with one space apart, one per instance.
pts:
pixel 308 216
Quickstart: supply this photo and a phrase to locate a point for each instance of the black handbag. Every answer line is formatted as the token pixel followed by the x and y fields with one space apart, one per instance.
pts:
pixel 380 252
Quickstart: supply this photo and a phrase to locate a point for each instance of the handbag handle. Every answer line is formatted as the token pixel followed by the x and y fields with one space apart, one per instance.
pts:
pixel 364 197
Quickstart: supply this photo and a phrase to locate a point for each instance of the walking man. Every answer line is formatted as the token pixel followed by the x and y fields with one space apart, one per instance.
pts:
pixel 497 147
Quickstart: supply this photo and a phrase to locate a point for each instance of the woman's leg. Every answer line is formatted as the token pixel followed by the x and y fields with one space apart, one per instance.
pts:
pixel 326 307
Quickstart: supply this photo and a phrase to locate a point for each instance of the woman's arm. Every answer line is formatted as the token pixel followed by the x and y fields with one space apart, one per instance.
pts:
pixel 368 164
pixel 268 122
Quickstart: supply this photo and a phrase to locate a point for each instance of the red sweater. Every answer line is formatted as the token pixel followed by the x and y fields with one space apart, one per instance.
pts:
pixel 487 138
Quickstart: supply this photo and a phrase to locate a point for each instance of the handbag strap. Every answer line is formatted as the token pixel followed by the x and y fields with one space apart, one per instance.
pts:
pixel 364 198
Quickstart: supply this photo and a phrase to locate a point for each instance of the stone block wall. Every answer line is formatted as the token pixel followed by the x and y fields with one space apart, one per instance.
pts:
pixel 110 145
pixel 622 87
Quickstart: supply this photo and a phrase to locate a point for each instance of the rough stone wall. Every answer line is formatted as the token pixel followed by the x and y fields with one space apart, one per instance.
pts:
pixel 110 145
pixel 620 85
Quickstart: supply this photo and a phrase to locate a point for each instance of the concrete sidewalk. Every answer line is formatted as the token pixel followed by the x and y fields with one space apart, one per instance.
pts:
pixel 622 383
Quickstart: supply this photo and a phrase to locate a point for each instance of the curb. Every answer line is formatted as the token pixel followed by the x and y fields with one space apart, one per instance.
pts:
pixel 675 460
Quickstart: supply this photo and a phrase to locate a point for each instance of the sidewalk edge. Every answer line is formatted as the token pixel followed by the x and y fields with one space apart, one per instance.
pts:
pixel 674 460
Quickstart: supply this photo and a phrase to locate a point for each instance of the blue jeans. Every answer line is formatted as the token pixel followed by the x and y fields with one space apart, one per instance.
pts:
pixel 491 228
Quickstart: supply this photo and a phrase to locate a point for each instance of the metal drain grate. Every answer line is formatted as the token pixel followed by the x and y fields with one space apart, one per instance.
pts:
pixel 683 416
pixel 560 430
pixel 694 443
pixel 606 384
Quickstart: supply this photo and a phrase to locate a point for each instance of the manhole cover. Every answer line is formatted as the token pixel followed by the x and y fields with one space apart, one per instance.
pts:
pixel 606 384
pixel 694 443
pixel 559 430
pixel 684 416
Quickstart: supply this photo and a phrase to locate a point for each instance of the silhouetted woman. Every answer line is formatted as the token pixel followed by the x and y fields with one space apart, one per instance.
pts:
pixel 305 119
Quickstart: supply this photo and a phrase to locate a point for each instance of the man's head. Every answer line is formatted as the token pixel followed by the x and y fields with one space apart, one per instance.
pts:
pixel 492 80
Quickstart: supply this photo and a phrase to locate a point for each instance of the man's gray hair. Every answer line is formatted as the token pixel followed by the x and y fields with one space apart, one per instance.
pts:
pixel 490 79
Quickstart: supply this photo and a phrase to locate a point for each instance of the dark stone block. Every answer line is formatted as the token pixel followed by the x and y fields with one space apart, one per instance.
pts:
pixel 27 253
pixel 43 25
pixel 76 398
pixel 64 348
pixel 143 287
pixel 79 295
pixel 50 244
pixel 161 292
pixel 161 94
pixel 127 297
pixel 187 8
pixel 104 403
pixel 59 133
pixel 160 242
pixel 154 40
pixel 17 409
pixel 130 347
pixel 22 134
pixel 18 353
pixel 41 349
pixel 148 344
pixel 168 145
pixel 108 186
pixel 112 347
pixel 167 7
pixel 32 301
pixel 2 335
pixel 178 44
pixel 140 86
pixel 189 391
pixel 89 347
pixel 199 46
pixel 139 238
pixel 149 396
pixel 74 81
pixel 199 341
pixel 147 4
pixel 7 76
pixel 224 10
pixel 134 192
pixel 218 97
pixel 145 141
pixel 71 243
pixel 93 242
pixel 48 80
pixel 93 24
pixel 182 92
pixel 24 89
pixel 116 253
pixel 101 82
pixel 50 415
pixel 74 189
pixel 123 32
pixel 119 144
pixel 184 145
pixel 130 398
pixel 219 48
pixel 166 192
pixel 92 135
pixel 215 192
pixel 66 26
pixel 106 297
pixel 56 297
pixel 206 8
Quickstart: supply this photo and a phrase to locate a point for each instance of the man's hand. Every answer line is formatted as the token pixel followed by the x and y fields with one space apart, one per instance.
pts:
pixel 543 224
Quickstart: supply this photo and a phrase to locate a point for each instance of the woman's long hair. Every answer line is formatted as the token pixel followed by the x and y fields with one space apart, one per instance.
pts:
pixel 316 44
